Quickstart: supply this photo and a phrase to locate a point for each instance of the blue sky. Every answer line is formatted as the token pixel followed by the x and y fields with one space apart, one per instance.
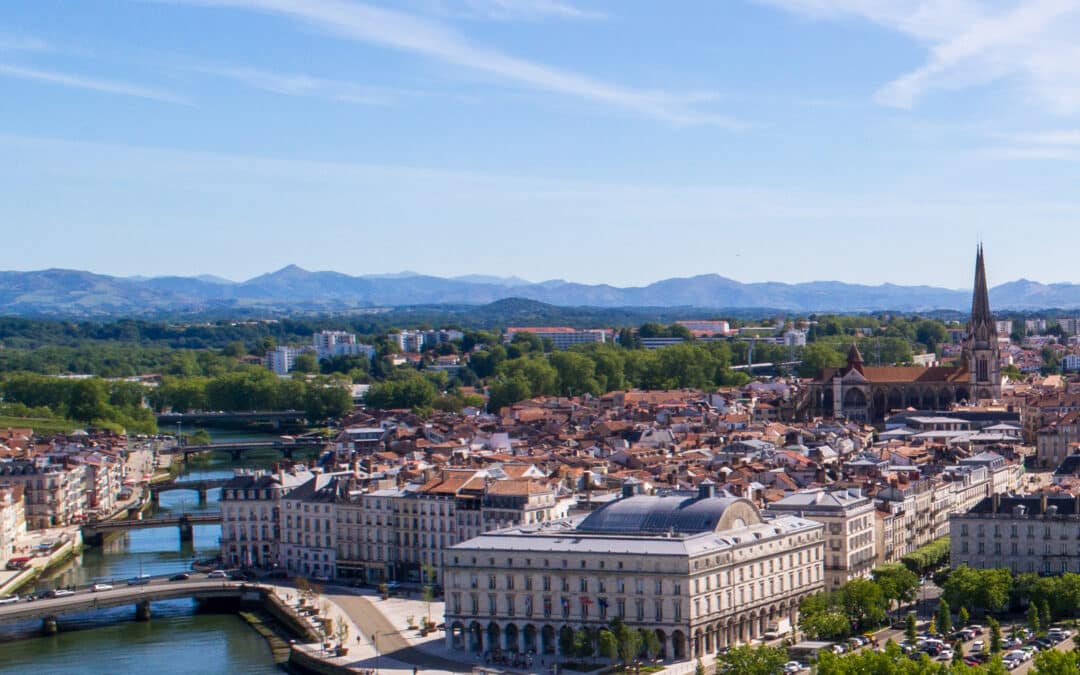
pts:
pixel 620 142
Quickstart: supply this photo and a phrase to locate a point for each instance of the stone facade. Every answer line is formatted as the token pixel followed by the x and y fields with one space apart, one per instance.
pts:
pixel 701 572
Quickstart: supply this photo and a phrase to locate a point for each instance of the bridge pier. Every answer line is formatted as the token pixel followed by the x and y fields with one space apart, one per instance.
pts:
pixel 49 626
pixel 202 495
pixel 142 610
pixel 187 531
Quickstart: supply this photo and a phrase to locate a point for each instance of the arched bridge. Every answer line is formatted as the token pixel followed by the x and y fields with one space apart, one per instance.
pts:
pixel 94 533
pixel 209 417
pixel 236 450
pixel 199 486
pixel 49 610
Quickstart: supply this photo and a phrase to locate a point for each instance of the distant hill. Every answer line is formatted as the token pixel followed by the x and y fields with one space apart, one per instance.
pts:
pixel 72 293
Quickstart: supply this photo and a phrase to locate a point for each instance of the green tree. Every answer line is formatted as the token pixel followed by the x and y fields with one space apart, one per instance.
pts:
pixel 863 603
pixel 583 644
pixel 1033 620
pixel 944 617
pixel 898 584
pixel 86 400
pixel 995 635
pixel 747 660
pixel 1054 662
pixel 963 617
pixel 911 631
pixel 576 373
pixel 817 356
pixel 608 646
pixel 628 640
pixel 650 642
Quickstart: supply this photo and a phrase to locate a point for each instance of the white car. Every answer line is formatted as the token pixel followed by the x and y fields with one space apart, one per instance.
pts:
pixel 218 574
pixel 977 646
pixel 100 587
pixel 792 667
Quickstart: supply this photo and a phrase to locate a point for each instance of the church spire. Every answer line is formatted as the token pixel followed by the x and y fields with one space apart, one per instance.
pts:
pixel 854 358
pixel 980 299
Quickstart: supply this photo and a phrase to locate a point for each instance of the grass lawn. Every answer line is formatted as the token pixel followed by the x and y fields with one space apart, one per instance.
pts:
pixel 40 425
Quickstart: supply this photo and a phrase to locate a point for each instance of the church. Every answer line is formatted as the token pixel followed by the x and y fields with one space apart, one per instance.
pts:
pixel 867 393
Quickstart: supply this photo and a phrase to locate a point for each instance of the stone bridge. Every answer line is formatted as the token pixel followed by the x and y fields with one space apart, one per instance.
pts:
pixel 199 486
pixel 94 533
pixel 51 610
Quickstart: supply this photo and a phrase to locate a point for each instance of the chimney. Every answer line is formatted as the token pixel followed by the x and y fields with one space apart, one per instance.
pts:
pixel 995 500
pixel 629 487
pixel 1042 503
pixel 706 489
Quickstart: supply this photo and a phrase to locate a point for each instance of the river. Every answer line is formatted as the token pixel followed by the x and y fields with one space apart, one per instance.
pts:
pixel 177 639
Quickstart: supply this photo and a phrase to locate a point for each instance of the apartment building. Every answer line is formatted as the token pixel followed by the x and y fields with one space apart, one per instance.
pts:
pixel 561 337
pixel 54 493
pixel 251 517
pixel 1033 533
pixel 848 516
pixel 402 534
pixel 12 520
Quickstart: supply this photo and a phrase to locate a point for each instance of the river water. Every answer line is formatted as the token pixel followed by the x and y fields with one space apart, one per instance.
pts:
pixel 177 639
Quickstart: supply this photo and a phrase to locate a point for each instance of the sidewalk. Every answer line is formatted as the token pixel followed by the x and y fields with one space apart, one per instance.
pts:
pixel 368 628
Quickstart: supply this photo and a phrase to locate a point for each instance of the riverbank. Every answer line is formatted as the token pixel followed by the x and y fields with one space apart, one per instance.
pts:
pixel 71 537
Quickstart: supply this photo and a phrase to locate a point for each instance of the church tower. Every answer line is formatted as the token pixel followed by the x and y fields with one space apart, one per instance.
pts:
pixel 980 343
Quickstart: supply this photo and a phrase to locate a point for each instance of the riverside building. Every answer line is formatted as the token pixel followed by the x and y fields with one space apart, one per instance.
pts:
pixel 701 570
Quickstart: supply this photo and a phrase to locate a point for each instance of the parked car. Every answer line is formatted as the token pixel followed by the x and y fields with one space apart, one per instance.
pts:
pixel 183 576
pixel 977 646
pixel 975 628
pixel 792 667
pixel 100 587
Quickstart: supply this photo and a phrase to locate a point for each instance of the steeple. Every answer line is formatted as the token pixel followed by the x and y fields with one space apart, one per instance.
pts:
pixel 854 358
pixel 980 350
pixel 980 298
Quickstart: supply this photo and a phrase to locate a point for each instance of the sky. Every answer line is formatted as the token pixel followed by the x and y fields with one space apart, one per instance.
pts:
pixel 868 141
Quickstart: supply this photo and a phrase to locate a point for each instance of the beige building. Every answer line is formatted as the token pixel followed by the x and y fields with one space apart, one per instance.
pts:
pixel 250 517
pixel 54 494
pixel 848 516
pixel 12 520
pixel 402 534
pixel 1033 533
pixel 702 571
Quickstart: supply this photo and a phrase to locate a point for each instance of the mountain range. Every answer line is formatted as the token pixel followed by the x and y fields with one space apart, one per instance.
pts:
pixel 78 294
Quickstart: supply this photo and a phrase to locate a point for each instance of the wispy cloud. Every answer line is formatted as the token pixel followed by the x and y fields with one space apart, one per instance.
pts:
pixel 1030 42
pixel 305 85
pixel 22 43
pixel 90 83
pixel 405 32
pixel 510 10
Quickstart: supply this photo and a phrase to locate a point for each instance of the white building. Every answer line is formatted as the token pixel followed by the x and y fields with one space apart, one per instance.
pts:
pixel 282 359
pixel 1032 533
pixel 848 516
pixel 561 337
pixel 12 520
pixel 701 571
pixel 250 517
pixel 331 343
